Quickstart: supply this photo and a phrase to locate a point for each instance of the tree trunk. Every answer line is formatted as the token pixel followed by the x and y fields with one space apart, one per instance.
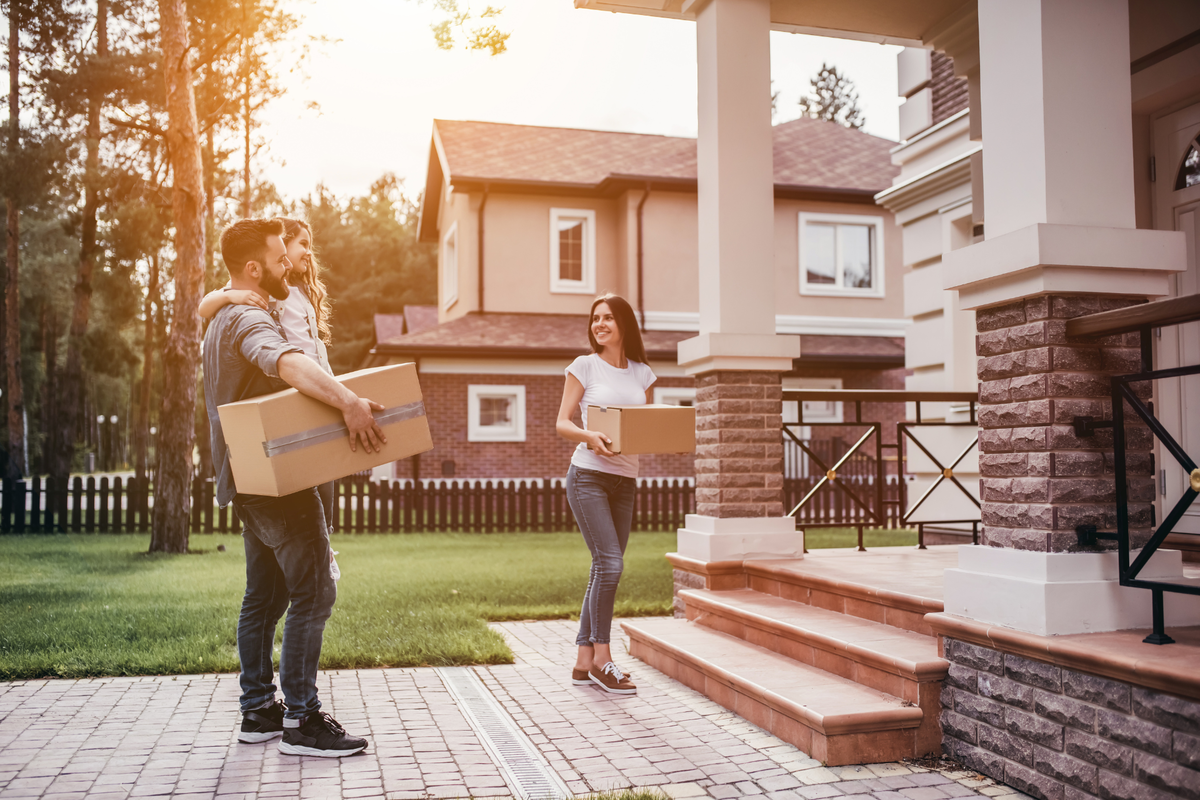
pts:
pixel 50 387
pixel 246 193
pixel 12 288
pixel 71 405
pixel 142 435
pixel 202 431
pixel 172 491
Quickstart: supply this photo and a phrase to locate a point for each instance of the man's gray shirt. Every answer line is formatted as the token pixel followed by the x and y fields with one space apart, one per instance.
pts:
pixel 241 360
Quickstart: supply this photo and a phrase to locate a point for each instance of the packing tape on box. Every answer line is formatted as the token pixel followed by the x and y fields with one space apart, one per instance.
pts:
pixel 338 430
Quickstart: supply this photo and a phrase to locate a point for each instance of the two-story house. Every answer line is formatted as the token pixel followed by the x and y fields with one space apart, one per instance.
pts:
pixel 532 223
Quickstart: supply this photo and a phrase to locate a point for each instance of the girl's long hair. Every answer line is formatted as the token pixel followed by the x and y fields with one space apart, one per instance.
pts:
pixel 310 281
pixel 631 335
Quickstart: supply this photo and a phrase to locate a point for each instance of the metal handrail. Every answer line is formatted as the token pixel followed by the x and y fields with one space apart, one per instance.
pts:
pixel 1143 318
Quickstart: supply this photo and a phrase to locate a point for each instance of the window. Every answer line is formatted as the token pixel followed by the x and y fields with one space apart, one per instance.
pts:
pixel 495 413
pixel 572 251
pixel 674 396
pixel 841 254
pixel 450 267
pixel 1189 171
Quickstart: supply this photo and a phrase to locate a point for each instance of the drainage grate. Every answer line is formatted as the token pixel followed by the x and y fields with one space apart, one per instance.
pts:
pixel 524 769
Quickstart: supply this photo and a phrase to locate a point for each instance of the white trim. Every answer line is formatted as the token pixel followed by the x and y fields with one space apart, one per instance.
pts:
pixel 587 283
pixel 480 433
pixel 874 224
pixel 449 277
pixel 791 323
pixel 671 395
pixel 919 177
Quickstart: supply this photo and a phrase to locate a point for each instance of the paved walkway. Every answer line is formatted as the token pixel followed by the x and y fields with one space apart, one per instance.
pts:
pixel 174 736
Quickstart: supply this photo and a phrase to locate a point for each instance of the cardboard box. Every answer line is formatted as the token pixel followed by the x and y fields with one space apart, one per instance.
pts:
pixel 284 442
pixel 651 428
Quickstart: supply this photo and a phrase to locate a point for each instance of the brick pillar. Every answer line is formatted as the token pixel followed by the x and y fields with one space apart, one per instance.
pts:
pixel 739 444
pixel 1039 481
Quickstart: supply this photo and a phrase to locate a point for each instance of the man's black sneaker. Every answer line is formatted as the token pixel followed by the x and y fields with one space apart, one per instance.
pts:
pixel 320 735
pixel 262 724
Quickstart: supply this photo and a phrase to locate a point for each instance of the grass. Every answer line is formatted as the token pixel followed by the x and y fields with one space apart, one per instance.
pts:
pixel 821 538
pixel 85 605
pixel 80 605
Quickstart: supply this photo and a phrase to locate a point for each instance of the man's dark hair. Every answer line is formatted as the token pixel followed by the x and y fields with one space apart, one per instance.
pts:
pixel 631 337
pixel 246 240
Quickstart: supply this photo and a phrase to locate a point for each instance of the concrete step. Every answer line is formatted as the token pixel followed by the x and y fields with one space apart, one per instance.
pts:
pixel 897 591
pixel 831 718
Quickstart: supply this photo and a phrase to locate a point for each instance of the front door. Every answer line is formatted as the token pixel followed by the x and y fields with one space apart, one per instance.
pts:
pixel 1177 208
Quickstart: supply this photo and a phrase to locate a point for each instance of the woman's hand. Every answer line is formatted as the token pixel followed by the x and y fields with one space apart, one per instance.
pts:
pixel 598 443
pixel 246 297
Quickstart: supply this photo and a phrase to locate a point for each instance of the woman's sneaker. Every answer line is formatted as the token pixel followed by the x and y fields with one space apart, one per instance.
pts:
pixel 320 735
pixel 262 724
pixel 611 679
pixel 579 677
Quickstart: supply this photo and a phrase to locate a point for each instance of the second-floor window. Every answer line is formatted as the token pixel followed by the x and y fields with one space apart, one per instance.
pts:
pixel 572 251
pixel 841 254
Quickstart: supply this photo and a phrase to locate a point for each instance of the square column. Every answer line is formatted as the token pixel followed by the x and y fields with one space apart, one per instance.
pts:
pixel 737 357
pixel 1061 243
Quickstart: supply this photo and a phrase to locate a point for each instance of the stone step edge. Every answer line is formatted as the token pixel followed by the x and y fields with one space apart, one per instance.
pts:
pixel 858 591
pixel 895 717
pixel 924 671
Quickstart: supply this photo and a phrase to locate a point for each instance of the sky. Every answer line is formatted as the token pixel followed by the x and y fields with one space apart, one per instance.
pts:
pixel 383 82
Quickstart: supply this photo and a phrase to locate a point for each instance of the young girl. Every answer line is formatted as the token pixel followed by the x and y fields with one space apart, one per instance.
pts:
pixel 601 484
pixel 304 316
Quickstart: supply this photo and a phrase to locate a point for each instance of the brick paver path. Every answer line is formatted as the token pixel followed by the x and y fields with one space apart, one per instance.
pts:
pixel 175 736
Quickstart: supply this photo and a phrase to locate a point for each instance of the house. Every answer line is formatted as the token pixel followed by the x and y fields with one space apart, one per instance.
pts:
pixel 532 223
pixel 1033 655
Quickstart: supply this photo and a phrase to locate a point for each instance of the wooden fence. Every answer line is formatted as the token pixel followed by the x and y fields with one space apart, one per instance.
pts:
pixel 363 506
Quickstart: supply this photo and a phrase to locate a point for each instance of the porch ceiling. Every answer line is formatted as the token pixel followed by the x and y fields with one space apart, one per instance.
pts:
pixel 903 22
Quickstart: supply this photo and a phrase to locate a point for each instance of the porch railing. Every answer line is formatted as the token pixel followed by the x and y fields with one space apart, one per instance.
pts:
pixel 877 496
pixel 1142 319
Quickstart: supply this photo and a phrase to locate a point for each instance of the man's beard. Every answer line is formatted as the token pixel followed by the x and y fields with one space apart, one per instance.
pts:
pixel 274 286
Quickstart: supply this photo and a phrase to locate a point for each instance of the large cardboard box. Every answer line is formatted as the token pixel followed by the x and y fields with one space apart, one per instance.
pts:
pixel 652 428
pixel 284 442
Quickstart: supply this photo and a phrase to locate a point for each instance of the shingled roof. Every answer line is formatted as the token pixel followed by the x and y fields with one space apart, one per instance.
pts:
pixel 813 159
pixel 564 336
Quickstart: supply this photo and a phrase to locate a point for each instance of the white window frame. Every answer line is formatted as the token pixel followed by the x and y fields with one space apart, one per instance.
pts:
pixel 587 282
pixel 671 395
pixel 836 289
pixel 813 411
pixel 480 433
pixel 449 276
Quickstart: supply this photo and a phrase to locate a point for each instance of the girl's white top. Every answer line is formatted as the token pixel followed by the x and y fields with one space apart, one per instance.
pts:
pixel 298 319
pixel 605 385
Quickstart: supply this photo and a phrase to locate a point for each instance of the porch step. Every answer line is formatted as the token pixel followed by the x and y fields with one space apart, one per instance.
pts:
pixel 894 586
pixel 831 718
pixel 871 653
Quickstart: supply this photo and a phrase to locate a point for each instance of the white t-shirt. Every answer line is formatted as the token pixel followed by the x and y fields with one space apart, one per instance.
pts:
pixel 299 322
pixel 605 385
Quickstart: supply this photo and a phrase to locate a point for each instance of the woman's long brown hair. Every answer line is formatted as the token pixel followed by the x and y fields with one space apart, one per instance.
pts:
pixel 310 281
pixel 631 335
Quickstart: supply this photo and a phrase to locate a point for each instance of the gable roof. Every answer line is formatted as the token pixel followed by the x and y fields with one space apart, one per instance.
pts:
pixel 813 158
pixel 564 336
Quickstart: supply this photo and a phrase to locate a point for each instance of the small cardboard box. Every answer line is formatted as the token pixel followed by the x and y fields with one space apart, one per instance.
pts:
pixel 652 428
pixel 284 442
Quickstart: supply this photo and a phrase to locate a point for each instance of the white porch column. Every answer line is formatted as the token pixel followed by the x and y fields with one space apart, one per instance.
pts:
pixel 737 358
pixel 736 194
pixel 1060 242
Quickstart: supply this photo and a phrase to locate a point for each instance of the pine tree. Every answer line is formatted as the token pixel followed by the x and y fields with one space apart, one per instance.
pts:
pixel 833 98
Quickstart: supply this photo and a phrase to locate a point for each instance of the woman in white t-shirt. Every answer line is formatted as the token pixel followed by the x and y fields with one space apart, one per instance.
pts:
pixel 304 315
pixel 600 483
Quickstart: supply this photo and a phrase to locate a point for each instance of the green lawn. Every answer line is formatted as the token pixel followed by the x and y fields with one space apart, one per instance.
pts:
pixel 80 605
pixel 84 605
pixel 820 538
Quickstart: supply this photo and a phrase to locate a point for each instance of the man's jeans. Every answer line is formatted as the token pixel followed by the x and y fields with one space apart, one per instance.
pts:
pixel 603 506
pixel 287 561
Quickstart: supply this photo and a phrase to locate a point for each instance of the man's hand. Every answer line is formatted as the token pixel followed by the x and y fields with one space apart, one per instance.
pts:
pixel 362 425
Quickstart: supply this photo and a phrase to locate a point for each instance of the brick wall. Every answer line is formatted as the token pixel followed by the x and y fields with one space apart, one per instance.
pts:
pixel 543 454
pixel 1059 734
pixel 1039 480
